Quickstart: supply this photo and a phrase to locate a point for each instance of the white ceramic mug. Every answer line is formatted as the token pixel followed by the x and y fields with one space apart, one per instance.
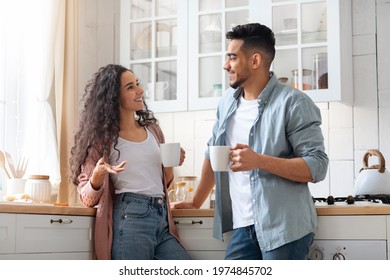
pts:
pixel 220 158
pixel 160 88
pixel 170 154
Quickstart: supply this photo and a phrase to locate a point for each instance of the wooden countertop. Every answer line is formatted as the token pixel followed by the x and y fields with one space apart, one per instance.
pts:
pixel 45 208
pixel 343 210
pixel 328 210
pixel 193 212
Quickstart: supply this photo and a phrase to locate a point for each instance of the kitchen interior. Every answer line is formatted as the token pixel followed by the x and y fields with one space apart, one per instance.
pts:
pixel 333 50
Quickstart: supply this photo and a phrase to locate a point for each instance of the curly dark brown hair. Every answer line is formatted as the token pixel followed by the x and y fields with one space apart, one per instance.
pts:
pixel 99 118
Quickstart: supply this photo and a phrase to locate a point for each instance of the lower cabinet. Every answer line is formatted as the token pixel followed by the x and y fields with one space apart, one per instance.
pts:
pixel 196 235
pixel 360 237
pixel 32 236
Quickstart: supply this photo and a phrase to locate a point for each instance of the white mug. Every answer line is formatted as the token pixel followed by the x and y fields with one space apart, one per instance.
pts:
pixel 159 90
pixel 220 158
pixel 170 154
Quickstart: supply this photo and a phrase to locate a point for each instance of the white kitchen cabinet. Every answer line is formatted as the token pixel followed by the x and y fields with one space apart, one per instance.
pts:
pixel 153 43
pixel 313 46
pixel 360 237
pixel 352 227
pixel 7 233
pixel 388 236
pixel 356 237
pixel 178 47
pixel 31 236
pixel 196 235
pixel 210 20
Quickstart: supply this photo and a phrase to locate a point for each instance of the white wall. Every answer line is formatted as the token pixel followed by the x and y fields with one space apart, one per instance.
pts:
pixel 349 130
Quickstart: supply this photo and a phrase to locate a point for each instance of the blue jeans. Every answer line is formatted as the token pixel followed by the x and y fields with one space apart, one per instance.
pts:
pixel 140 230
pixel 243 245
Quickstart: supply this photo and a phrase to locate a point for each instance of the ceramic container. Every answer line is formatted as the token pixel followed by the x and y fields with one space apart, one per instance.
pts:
pixel 38 187
pixel 15 186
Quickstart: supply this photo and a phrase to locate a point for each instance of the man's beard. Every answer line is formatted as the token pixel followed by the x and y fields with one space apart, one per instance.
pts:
pixel 238 83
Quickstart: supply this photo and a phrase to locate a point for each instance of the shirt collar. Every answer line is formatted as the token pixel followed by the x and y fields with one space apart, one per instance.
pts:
pixel 265 94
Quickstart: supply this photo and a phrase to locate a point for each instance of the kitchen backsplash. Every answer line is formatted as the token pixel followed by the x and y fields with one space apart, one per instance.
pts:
pixel 349 131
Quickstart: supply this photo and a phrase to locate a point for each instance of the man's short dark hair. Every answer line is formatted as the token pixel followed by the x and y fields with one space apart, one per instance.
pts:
pixel 256 37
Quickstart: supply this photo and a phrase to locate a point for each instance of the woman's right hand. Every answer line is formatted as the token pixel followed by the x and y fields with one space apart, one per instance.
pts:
pixel 182 205
pixel 101 169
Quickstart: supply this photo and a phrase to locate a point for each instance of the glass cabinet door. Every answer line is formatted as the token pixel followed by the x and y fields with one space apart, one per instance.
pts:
pixel 209 22
pixel 301 33
pixel 150 47
pixel 177 47
pixel 309 47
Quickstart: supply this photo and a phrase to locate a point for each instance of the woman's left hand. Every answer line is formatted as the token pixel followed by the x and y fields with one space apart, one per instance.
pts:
pixel 182 156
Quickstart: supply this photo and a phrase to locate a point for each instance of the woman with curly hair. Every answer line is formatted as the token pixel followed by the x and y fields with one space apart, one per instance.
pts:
pixel 115 163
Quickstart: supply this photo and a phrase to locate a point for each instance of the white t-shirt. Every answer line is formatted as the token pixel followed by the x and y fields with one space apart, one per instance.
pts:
pixel 143 173
pixel 237 131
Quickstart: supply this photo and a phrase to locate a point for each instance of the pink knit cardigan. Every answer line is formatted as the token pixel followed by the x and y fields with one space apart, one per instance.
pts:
pixel 104 200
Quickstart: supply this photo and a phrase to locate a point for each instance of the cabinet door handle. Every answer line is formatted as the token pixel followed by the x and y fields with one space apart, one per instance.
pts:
pixel 61 221
pixel 188 222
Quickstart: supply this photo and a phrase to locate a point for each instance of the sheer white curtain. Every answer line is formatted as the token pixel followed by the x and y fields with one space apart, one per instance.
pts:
pixel 41 141
pixel 34 31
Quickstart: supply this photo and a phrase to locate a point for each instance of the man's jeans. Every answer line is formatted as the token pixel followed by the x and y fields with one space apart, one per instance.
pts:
pixel 243 245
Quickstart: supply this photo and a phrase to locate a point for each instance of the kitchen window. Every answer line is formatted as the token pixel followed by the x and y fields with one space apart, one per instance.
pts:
pixel 30 57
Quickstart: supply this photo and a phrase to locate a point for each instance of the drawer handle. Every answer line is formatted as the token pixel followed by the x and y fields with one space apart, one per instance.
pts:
pixel 61 221
pixel 188 222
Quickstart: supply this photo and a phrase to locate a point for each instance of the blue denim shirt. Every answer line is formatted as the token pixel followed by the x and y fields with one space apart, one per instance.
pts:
pixel 287 126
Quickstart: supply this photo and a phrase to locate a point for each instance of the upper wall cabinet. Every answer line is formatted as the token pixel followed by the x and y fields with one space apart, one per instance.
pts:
pixel 209 22
pixel 314 47
pixel 153 43
pixel 177 47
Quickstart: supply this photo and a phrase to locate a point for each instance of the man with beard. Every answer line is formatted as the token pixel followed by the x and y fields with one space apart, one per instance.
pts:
pixel 277 148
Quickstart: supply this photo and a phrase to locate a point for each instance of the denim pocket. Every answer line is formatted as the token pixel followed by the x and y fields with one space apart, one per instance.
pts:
pixel 137 209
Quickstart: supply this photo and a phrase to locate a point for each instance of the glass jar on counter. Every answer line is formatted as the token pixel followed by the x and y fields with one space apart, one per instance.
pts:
pixel 171 195
pixel 180 192
pixel 212 199
pixel 189 180
pixel 185 187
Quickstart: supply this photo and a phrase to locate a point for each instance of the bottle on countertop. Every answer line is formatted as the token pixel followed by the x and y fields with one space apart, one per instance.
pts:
pixel 180 193
pixel 212 199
